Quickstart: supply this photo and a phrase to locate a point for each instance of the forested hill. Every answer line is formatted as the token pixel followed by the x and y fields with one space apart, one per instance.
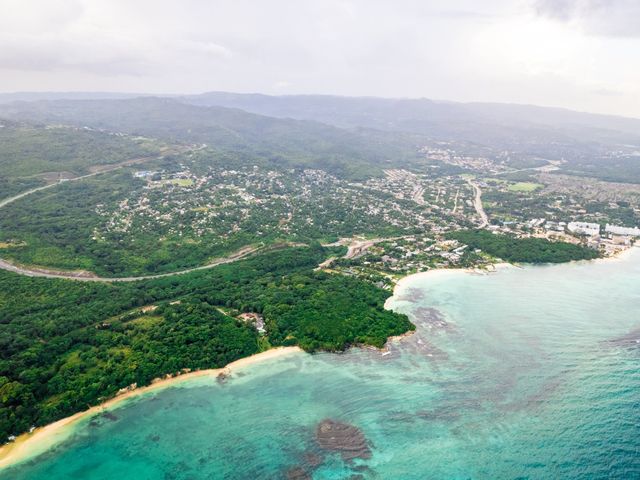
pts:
pixel 523 250
pixel 437 118
pixel 286 142
pixel 601 146
pixel 356 137
pixel 65 345
pixel 32 155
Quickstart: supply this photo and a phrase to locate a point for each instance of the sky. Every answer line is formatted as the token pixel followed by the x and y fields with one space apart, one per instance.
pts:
pixel 578 54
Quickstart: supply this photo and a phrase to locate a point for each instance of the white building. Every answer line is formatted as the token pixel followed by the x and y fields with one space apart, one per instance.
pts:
pixel 143 174
pixel 584 228
pixel 633 232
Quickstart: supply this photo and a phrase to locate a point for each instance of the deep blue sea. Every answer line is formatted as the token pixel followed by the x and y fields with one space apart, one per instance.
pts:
pixel 527 373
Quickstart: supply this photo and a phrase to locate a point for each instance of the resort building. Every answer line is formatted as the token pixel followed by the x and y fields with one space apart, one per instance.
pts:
pixel 627 231
pixel 584 228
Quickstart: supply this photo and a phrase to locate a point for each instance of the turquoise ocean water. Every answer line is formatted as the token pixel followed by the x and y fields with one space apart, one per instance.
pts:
pixel 525 373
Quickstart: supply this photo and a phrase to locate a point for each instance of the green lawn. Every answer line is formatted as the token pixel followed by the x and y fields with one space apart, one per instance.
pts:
pixel 182 182
pixel 525 187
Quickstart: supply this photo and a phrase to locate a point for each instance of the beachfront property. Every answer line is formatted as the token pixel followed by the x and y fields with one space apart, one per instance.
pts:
pixel 584 228
pixel 535 223
pixel 555 226
pixel 624 231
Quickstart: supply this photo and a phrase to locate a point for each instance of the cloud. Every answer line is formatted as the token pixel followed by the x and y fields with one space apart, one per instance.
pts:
pixel 100 55
pixel 281 84
pixel 557 9
pixel 615 18
pixel 529 51
pixel 48 15
pixel 207 48
pixel 103 39
pixel 607 92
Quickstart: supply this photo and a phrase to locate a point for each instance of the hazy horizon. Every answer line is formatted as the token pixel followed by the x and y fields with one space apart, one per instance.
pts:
pixel 117 94
pixel 575 54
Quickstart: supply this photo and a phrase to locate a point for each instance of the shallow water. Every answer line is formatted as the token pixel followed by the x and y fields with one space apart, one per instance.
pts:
pixel 526 373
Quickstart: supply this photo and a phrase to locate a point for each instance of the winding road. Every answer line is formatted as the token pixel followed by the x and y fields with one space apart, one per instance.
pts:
pixel 355 249
pixel 97 170
pixel 84 276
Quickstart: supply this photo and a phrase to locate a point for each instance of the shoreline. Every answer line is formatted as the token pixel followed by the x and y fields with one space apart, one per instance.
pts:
pixel 620 255
pixel 29 445
pixel 495 267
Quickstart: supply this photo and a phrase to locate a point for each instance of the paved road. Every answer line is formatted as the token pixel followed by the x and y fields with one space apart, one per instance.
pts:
pixel 9 200
pixel 477 203
pixel 455 203
pixel 90 277
pixel 99 170
pixel 357 248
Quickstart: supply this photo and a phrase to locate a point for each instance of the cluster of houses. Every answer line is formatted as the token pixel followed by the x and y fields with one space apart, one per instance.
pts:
pixel 584 228
pixel 610 239
pixel 594 230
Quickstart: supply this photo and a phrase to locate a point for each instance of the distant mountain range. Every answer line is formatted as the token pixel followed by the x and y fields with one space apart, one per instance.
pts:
pixel 347 134
pixel 475 120
pixel 399 114
pixel 353 153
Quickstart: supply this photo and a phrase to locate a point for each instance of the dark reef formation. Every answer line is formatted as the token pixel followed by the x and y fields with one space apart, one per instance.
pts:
pixel 629 340
pixel 332 437
pixel 349 441
pixel 297 473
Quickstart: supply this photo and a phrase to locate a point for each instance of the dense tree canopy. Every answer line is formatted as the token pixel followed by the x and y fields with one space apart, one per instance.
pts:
pixel 66 344
pixel 524 250
pixel 29 155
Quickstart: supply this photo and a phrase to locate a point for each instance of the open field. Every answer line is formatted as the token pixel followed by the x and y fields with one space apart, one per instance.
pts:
pixel 12 244
pixel 181 182
pixel 525 187
pixel 591 189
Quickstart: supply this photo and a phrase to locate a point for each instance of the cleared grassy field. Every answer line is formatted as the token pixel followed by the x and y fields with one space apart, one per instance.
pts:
pixel 12 244
pixel 181 182
pixel 525 187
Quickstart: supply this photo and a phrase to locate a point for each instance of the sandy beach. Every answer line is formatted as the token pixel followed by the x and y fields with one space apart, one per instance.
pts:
pixel 441 272
pixel 41 439
pixel 622 255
